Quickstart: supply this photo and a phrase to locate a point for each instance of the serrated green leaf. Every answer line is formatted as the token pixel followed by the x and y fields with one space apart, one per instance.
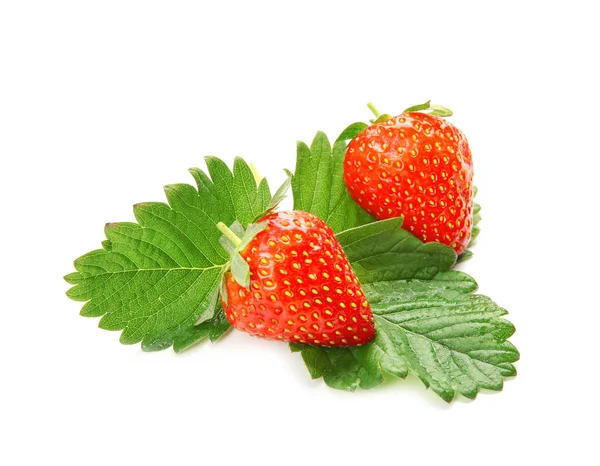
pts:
pixel 318 184
pixel 235 193
pixel 428 321
pixel 212 329
pixel 155 279
pixel 383 251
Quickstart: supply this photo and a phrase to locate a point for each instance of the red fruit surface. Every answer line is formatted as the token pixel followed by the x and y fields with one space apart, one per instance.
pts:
pixel 302 288
pixel 419 167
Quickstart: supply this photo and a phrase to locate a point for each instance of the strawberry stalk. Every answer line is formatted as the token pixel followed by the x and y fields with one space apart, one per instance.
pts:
pixel 230 235
pixel 378 116
pixel 374 110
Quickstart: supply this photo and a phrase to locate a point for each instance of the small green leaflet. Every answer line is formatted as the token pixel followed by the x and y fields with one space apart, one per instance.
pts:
pixel 157 278
pixel 428 321
pixel 318 183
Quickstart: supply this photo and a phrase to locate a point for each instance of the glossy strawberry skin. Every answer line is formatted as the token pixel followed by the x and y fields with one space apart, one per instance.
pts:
pixel 419 167
pixel 302 288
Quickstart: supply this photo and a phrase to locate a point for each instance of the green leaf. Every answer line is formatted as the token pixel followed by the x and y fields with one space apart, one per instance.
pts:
pixel 318 184
pixel 212 329
pixel 428 321
pixel 383 251
pixel 155 279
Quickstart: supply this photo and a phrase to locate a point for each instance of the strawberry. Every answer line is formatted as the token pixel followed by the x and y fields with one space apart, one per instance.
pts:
pixel 301 289
pixel 416 166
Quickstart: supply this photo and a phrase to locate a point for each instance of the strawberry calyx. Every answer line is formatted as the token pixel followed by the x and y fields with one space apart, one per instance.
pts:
pixel 234 240
pixel 378 116
pixel 235 237
pixel 427 107
pixel 432 109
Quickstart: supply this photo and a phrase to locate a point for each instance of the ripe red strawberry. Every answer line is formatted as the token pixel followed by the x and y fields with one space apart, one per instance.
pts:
pixel 419 167
pixel 302 288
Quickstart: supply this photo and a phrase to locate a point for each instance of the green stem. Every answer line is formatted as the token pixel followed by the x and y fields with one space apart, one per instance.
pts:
pixel 374 110
pixel 230 235
pixel 257 176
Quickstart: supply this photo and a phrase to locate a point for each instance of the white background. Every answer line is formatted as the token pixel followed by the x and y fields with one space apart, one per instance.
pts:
pixel 103 103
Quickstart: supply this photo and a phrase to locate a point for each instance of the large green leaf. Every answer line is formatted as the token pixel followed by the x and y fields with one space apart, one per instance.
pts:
pixel 157 279
pixel 428 322
pixel 318 183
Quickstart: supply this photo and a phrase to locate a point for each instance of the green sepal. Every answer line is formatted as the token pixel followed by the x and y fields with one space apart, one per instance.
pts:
pixel 223 290
pixel 434 109
pixel 240 270
pixel 233 244
pixel 279 195
pixel 419 107
pixel 352 131
pixel 235 238
pixel 475 230
pixel 382 118
pixel 440 111
pixel 252 230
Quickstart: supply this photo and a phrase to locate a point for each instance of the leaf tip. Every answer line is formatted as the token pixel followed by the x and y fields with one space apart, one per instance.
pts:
pixel 109 227
pixel 169 188
pixel 140 205
pixel 72 279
